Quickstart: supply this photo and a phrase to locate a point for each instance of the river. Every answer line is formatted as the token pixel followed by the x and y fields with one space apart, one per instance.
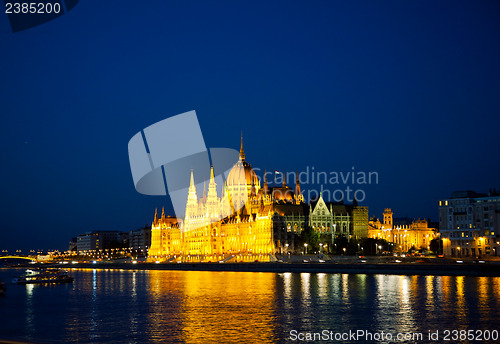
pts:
pixel 126 306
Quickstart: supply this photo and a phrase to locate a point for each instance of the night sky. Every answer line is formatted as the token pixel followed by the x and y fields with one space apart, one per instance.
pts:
pixel 409 89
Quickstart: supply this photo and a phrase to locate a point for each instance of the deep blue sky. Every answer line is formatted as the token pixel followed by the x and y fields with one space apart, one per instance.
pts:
pixel 410 89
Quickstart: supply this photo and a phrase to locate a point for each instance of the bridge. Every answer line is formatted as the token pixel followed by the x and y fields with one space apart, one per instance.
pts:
pixel 34 259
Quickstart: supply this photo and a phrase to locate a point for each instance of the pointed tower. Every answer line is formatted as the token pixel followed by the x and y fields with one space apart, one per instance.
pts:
pixel 266 188
pixel 192 202
pixel 156 215
pixel 212 199
pixel 242 152
pixel 298 194
pixel 162 213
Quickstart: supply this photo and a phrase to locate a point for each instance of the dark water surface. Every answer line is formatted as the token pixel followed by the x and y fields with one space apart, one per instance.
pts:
pixel 124 306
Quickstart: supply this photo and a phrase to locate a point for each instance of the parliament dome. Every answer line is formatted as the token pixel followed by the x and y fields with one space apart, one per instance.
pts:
pixel 242 172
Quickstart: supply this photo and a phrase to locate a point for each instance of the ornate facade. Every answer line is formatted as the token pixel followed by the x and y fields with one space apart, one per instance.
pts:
pixel 338 219
pixel 243 224
pixel 416 234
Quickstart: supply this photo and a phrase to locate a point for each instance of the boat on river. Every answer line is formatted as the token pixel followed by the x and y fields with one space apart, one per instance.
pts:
pixel 43 276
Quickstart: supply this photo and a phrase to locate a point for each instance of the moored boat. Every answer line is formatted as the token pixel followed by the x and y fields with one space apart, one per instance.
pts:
pixel 43 276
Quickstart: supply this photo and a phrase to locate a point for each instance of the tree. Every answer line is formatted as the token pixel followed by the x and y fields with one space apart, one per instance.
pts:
pixel 436 245
pixel 371 246
pixel 339 244
pixel 310 237
pixel 353 247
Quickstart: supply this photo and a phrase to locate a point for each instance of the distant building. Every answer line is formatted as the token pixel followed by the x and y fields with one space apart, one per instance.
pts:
pixel 73 244
pixel 166 236
pixel 98 240
pixel 86 242
pixel 469 224
pixel 140 239
pixel 338 219
pixel 404 234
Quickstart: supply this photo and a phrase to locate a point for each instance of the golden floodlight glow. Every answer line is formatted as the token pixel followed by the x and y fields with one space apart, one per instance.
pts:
pixel 237 226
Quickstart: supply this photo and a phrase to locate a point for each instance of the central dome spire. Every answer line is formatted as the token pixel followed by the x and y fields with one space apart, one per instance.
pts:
pixel 242 152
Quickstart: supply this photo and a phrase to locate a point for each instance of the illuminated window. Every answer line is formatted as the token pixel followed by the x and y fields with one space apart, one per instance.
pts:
pixel 445 202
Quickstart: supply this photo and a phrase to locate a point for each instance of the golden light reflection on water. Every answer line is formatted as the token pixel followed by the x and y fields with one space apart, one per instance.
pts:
pixel 219 306
pixel 446 287
pixel 482 289
pixel 240 307
pixel 461 307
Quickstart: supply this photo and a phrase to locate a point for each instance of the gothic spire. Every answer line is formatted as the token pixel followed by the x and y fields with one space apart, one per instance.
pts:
pixel 242 152
pixel 266 189
pixel 297 186
pixel 212 191
pixel 191 183
pixel 212 179
pixel 192 197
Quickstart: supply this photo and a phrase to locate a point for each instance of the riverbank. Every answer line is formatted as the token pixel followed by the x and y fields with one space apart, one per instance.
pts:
pixel 451 268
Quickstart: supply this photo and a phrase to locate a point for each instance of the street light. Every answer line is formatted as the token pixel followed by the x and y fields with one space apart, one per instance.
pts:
pixel 305 245
pixel 334 231
pixel 286 245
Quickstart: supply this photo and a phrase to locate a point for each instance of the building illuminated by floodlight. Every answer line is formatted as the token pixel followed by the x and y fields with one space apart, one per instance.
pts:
pixel 417 234
pixel 247 223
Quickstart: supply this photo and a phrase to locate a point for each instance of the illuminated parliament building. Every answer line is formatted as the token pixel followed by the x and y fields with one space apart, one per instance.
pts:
pixel 247 222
